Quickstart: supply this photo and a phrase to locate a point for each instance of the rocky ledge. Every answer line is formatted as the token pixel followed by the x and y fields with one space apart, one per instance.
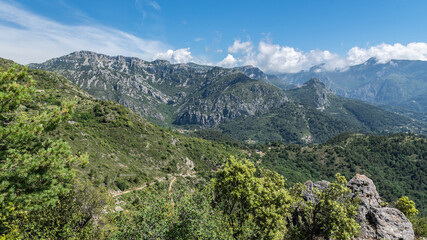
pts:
pixel 376 220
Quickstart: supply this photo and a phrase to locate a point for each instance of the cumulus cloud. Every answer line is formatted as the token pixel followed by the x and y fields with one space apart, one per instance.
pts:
pixel 228 61
pixel 274 58
pixel 386 52
pixel 26 37
pixel 182 55
pixel 239 46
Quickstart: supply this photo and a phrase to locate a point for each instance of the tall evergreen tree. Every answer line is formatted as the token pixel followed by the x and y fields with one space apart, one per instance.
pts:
pixel 35 170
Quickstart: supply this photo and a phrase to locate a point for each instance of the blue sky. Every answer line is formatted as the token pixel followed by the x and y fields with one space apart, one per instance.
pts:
pixel 277 36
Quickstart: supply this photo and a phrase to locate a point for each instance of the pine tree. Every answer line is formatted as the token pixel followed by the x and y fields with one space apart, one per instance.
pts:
pixel 35 170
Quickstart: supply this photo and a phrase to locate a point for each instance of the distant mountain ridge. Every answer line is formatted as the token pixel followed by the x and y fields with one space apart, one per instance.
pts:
pixel 314 114
pixel 242 102
pixel 168 93
pixel 397 83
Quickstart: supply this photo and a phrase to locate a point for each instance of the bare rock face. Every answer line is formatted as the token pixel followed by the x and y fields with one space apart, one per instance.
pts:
pixel 308 195
pixel 378 222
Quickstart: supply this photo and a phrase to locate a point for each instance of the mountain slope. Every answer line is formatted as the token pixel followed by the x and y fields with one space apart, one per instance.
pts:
pixel 256 73
pixel 124 149
pixel 397 163
pixel 363 116
pixel 399 83
pixel 193 96
pixel 314 115
pixel 168 93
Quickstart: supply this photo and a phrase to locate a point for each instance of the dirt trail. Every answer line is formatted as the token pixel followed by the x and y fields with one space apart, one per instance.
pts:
pixel 131 190
pixel 144 186
pixel 170 191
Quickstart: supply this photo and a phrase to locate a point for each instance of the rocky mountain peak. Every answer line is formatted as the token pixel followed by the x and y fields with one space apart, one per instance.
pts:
pixel 318 84
pixel 168 93
pixel 315 94
pixel 252 72
pixel 371 61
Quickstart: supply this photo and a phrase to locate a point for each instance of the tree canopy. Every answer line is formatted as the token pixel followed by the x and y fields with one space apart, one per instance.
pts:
pixel 35 169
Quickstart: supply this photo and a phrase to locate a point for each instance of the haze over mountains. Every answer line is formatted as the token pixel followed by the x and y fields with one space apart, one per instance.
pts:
pixel 399 83
pixel 233 100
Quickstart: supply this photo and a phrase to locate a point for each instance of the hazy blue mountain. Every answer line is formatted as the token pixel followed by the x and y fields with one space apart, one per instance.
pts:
pixel 398 83
pixel 256 73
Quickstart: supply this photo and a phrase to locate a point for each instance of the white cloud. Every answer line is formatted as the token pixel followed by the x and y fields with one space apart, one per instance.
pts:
pixel 274 58
pixel 239 46
pixel 26 37
pixel 182 55
pixel 228 61
pixel 198 39
pixel 386 52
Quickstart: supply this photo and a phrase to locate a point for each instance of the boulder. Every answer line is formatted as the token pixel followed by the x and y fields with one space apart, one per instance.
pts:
pixel 309 193
pixel 378 222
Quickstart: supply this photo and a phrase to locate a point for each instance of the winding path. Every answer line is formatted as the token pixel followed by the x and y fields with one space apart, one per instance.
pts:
pixel 169 190
pixel 117 194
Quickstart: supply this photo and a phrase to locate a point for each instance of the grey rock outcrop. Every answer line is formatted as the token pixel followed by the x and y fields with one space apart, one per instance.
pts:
pixel 378 222
pixel 309 194
pixel 321 93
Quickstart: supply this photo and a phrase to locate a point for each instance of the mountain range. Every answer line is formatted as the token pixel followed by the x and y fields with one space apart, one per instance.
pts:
pixel 397 83
pixel 241 102
pixel 126 151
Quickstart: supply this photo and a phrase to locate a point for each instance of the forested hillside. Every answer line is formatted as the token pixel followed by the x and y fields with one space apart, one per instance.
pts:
pixel 314 115
pixel 242 102
pixel 50 191
pixel 124 149
pixel 396 163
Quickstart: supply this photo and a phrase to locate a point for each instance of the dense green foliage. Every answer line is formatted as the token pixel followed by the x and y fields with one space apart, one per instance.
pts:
pixel 39 195
pixel 248 202
pixel 76 215
pixel 420 225
pixel 35 170
pixel 289 124
pixel 109 132
pixel 396 163
pixel 183 214
pixel 406 206
pixel 330 215
pixel 243 203
pixel 42 199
